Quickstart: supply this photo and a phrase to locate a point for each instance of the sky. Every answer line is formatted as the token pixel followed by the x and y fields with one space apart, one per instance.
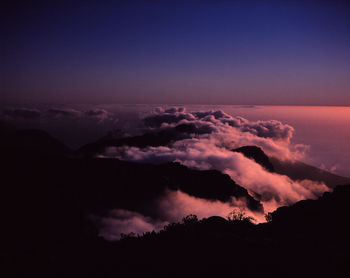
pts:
pixel 190 52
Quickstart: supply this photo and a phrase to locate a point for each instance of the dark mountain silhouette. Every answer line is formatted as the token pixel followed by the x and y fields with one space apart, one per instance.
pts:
pixel 37 158
pixel 298 170
pixel 154 139
pixel 257 155
pixel 48 195
pixel 31 141
pixel 295 170
pixel 308 239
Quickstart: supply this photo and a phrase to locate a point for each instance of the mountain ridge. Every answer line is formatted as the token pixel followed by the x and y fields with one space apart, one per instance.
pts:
pixel 48 198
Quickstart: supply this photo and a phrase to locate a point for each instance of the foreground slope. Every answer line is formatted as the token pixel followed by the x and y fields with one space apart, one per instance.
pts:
pixel 308 239
pixel 47 198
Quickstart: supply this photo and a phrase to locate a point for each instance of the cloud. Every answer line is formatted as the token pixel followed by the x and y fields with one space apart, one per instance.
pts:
pixel 174 205
pixel 57 113
pixel 23 113
pixel 124 221
pixel 209 147
pixel 219 119
pixel 248 106
pixel 272 136
pixel 170 208
pixel 331 169
pixel 272 189
pixel 64 112
pixel 99 114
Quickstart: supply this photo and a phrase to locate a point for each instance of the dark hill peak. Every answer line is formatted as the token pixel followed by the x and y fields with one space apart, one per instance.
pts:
pixel 158 138
pixel 215 221
pixel 257 154
pixel 298 170
pixel 32 141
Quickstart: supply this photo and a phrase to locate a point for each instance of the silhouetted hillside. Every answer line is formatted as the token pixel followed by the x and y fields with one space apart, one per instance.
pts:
pixel 154 139
pixel 31 141
pixel 298 170
pixel 308 239
pixel 257 155
pixel 47 199
pixel 295 170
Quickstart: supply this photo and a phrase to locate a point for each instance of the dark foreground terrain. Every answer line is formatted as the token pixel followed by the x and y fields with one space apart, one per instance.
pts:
pixel 48 193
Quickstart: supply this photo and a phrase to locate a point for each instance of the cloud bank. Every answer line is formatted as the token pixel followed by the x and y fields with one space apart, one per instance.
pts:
pixel 21 113
pixel 170 208
pixel 212 136
pixel 230 132
pixel 205 141
pixel 119 221
pixel 55 113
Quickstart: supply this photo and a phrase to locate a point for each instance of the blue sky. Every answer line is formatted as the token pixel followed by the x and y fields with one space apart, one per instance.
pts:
pixel 207 52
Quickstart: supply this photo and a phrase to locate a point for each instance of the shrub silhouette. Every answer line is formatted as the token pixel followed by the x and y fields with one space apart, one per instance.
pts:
pixel 268 217
pixel 240 215
pixel 130 235
pixel 190 219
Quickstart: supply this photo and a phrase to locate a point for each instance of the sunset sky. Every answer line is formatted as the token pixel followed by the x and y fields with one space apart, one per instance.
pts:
pixel 207 52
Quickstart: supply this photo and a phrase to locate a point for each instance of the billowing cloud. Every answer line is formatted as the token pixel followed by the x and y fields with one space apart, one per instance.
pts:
pixel 272 136
pixel 170 208
pixel 218 119
pixel 272 189
pixel 119 221
pixel 174 205
pixel 212 149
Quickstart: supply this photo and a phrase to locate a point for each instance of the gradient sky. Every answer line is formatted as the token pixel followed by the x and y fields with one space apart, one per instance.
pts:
pixel 214 52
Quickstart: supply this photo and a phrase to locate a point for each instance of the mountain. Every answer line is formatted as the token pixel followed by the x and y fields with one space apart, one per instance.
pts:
pixel 44 185
pixel 307 239
pixel 48 196
pixel 298 170
pixel 111 183
pixel 154 139
pixel 32 141
pixel 257 154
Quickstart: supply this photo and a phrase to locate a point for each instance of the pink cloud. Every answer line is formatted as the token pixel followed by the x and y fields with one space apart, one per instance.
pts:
pixel 120 221
pixel 209 147
pixel 172 207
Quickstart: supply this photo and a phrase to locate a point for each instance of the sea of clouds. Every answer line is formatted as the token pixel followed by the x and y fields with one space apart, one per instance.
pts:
pixel 208 145
pixel 206 141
